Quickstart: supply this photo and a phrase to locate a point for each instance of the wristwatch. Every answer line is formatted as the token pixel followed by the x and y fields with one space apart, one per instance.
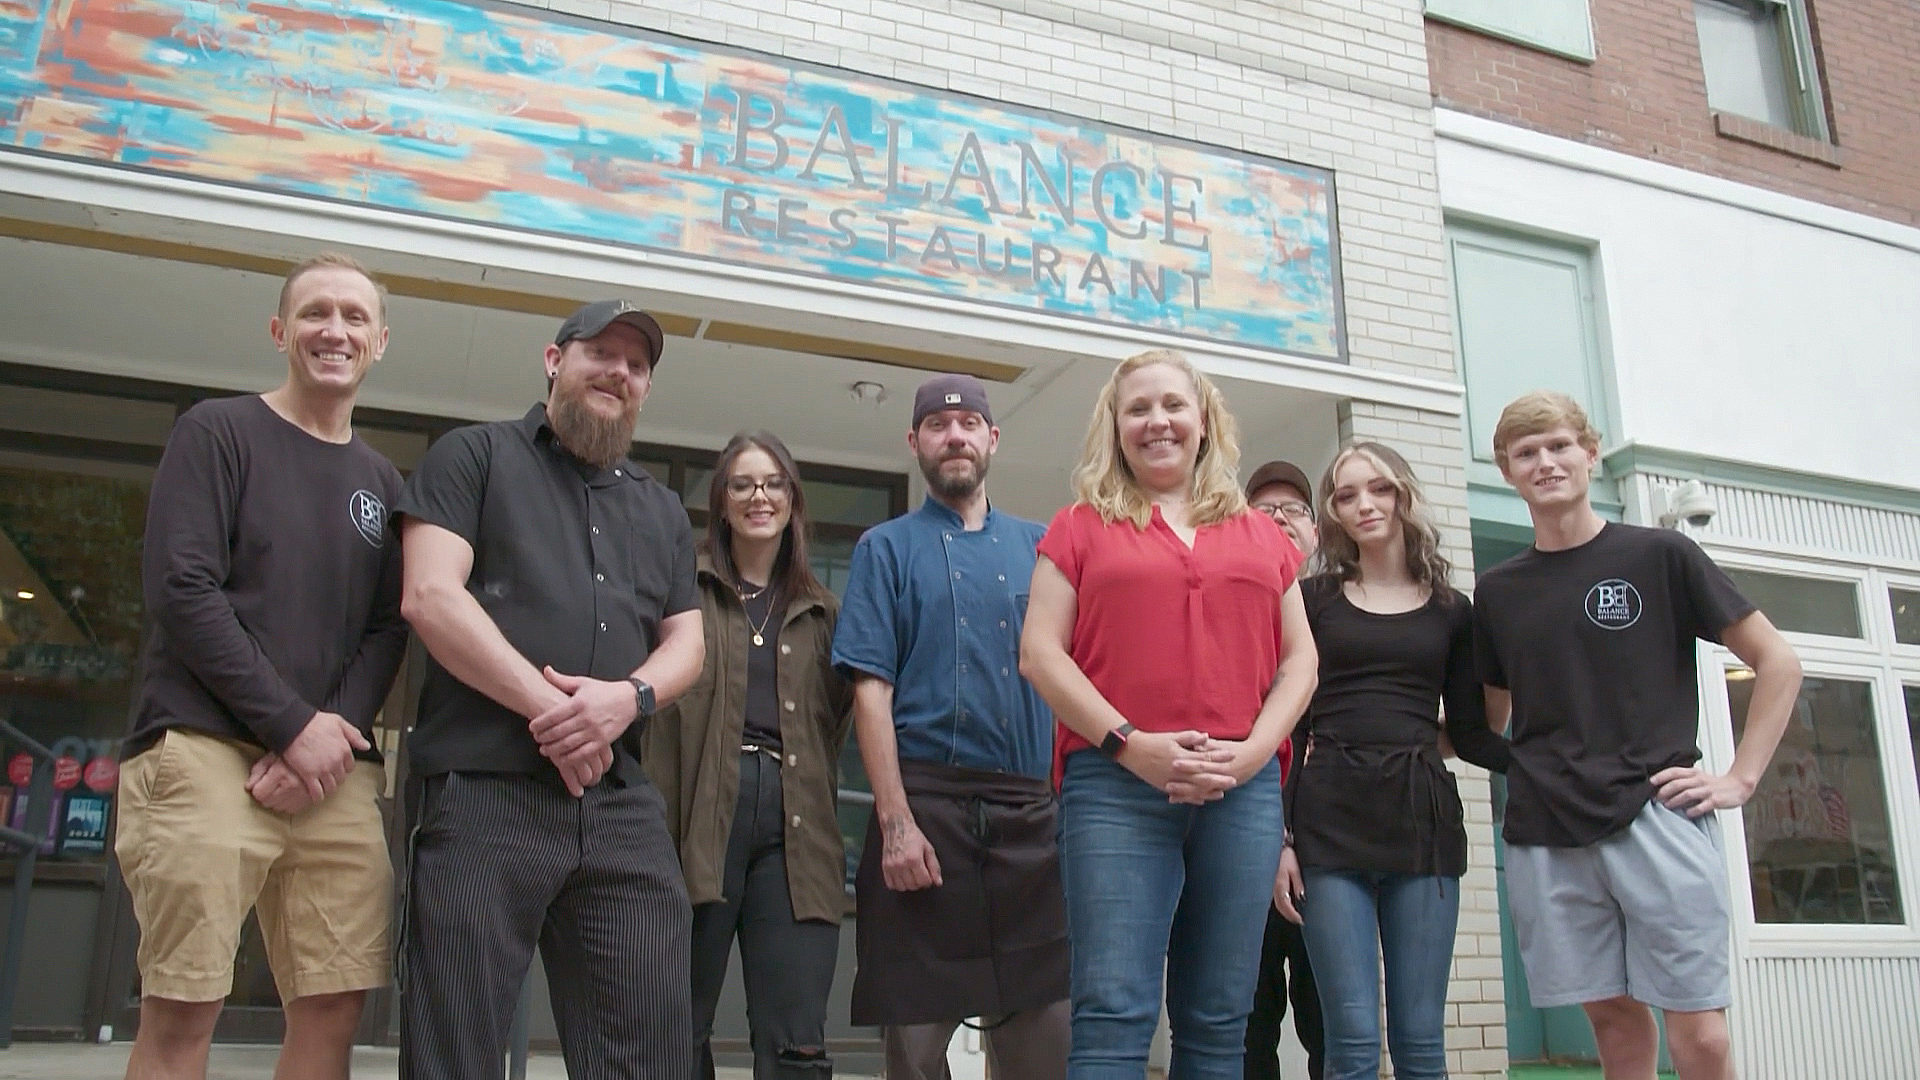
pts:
pixel 642 697
pixel 1116 740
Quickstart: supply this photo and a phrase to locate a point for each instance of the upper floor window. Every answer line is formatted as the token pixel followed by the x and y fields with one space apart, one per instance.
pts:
pixel 1560 26
pixel 1758 58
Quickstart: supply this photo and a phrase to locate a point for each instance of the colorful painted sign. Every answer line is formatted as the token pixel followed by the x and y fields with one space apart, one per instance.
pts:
pixel 512 117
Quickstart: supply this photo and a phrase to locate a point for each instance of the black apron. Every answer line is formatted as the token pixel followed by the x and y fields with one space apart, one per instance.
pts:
pixel 991 939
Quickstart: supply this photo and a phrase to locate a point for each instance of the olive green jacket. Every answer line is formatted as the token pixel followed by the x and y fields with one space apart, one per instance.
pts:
pixel 691 750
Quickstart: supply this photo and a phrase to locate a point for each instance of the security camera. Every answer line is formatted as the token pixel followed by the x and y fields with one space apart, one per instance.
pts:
pixel 1688 502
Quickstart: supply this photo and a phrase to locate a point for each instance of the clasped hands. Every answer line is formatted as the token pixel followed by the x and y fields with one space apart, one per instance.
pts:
pixel 575 731
pixel 1191 767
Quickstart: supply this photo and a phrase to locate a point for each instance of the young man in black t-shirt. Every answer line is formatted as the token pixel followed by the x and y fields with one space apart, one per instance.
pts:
pixel 1615 874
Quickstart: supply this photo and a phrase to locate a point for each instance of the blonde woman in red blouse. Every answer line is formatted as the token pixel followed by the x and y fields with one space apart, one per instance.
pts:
pixel 1165 629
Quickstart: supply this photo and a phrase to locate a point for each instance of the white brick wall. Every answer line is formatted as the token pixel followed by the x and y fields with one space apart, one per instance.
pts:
pixel 1340 84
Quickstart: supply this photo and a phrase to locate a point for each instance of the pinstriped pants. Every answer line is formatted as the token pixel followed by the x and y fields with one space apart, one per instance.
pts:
pixel 500 862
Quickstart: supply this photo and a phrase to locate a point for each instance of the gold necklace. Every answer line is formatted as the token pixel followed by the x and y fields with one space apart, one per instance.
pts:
pixel 758 630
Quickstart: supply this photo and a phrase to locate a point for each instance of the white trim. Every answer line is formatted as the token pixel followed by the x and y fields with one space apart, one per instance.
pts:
pixel 1553 150
pixel 712 285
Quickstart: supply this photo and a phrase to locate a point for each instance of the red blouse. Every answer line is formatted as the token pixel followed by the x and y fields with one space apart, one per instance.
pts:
pixel 1176 638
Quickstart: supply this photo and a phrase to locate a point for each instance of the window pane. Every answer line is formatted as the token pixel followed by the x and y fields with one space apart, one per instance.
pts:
pixel 1819 846
pixel 662 472
pixel 831 559
pixel 1561 25
pixel 1523 326
pixel 70 624
pixel 403 448
pixel 1745 66
pixel 848 504
pixel 1913 723
pixel 1906 615
pixel 1802 605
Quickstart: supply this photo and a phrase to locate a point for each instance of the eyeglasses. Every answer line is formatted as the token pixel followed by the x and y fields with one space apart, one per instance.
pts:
pixel 1298 511
pixel 741 488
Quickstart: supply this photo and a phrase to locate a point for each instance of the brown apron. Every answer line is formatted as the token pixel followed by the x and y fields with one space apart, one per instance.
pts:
pixel 991 939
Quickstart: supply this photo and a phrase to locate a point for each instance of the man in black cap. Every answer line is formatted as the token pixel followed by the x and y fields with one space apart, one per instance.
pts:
pixel 552 582
pixel 1280 490
pixel 961 913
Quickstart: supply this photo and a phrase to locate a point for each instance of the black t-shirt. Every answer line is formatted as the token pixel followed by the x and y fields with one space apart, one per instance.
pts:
pixel 577 565
pixel 1373 793
pixel 271 580
pixel 762 725
pixel 1596 644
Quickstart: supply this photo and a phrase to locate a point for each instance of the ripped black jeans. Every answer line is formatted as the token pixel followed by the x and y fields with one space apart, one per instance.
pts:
pixel 786 964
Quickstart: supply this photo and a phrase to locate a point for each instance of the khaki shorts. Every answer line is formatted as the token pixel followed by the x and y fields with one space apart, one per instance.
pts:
pixel 197 852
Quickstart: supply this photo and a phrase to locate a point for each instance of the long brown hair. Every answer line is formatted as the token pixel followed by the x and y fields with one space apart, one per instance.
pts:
pixel 792 572
pixel 1340 554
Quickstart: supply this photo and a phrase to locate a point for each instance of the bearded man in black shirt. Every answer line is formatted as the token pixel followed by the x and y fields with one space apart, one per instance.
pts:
pixel 1615 875
pixel 552 582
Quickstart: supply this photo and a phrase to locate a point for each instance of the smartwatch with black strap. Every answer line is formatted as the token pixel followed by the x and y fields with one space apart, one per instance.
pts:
pixel 642 698
pixel 1116 740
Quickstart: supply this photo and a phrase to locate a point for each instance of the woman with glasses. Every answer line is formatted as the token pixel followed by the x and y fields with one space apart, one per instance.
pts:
pixel 1378 843
pixel 748 765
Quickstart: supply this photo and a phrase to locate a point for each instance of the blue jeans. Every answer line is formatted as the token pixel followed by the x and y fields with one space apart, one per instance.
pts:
pixel 1353 916
pixel 1148 884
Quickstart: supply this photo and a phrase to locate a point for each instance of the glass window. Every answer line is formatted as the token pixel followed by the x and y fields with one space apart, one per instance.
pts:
pixel 1819 844
pixel 1525 323
pixel 1913 725
pixel 1906 615
pixel 70 623
pixel 403 448
pixel 848 504
pixel 1758 62
pixel 1559 25
pixel 1800 604
pixel 85 416
pixel 660 470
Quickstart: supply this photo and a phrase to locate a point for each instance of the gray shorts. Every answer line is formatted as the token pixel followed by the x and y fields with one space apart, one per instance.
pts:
pixel 1642 913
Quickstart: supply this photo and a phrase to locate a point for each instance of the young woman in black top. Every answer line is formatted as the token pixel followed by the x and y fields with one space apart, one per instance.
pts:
pixel 1378 845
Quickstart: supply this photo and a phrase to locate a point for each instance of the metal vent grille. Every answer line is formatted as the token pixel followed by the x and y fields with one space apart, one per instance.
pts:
pixel 1796 522
pixel 1828 1017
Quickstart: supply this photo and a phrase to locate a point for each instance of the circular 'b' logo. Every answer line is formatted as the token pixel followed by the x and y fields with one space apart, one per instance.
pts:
pixel 369 516
pixel 1614 604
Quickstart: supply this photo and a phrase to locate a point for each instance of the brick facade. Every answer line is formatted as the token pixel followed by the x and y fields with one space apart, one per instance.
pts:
pixel 1645 94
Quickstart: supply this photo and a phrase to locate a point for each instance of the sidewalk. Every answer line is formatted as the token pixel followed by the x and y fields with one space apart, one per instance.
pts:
pixel 84 1061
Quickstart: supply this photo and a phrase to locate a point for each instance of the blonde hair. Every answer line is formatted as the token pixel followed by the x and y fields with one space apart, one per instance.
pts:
pixel 1104 481
pixel 1539 412
pixel 330 260
pixel 1340 554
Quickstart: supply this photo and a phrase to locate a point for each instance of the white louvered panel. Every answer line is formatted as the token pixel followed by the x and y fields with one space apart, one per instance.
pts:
pixel 1772 519
pixel 1828 1018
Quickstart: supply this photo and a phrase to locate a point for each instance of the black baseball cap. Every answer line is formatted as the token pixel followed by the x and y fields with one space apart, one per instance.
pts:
pixel 950 392
pixel 1281 472
pixel 594 318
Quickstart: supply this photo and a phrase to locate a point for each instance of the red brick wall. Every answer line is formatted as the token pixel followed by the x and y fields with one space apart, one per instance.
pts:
pixel 1645 95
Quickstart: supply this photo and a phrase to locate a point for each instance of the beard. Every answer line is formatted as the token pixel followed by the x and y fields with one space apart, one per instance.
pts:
pixel 949 485
pixel 591 436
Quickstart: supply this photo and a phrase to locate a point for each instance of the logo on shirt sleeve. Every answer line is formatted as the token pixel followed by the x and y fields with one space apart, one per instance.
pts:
pixel 369 516
pixel 1614 604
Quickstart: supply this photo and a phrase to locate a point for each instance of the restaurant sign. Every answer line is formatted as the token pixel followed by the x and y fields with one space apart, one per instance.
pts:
pixel 520 118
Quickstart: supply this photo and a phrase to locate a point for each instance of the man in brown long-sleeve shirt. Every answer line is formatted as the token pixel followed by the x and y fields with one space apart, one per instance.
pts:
pixel 272 590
